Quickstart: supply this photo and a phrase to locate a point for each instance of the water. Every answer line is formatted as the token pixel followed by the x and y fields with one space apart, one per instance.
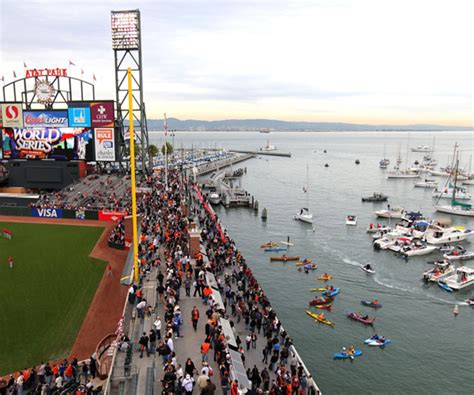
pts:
pixel 432 352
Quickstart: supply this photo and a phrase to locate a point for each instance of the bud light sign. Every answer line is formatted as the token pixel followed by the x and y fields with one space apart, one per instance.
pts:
pixel 45 118
pixel 47 212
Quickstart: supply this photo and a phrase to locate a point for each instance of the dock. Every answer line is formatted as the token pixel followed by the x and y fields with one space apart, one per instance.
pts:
pixel 219 164
pixel 268 153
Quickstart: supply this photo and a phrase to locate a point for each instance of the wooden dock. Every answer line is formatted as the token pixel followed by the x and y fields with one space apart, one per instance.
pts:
pixel 268 153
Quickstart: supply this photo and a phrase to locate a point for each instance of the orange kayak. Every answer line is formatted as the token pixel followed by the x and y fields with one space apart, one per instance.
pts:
pixel 325 278
pixel 284 258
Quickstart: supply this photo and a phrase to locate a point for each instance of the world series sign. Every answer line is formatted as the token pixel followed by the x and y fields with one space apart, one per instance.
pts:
pixel 104 144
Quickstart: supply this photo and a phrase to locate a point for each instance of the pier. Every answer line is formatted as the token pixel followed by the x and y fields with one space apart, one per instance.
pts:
pixel 268 153
pixel 221 163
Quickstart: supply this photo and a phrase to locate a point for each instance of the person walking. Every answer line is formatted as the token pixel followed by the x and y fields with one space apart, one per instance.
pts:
pixel 109 270
pixel 152 338
pixel 187 384
pixel 157 325
pixel 195 317
pixel 10 262
pixel 143 342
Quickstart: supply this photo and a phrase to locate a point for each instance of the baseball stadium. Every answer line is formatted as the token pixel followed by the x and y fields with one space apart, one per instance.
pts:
pixel 105 248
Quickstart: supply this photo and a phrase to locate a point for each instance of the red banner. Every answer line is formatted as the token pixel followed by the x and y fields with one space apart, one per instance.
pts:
pixel 110 215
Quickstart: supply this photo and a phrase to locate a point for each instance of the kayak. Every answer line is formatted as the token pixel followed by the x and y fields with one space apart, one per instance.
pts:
pixel 269 245
pixel 325 306
pixel 311 266
pixel 331 293
pixel 325 278
pixel 371 304
pixel 308 262
pixel 272 249
pixel 370 271
pixel 344 355
pixel 358 317
pixel 377 343
pixel 286 243
pixel 319 319
pixel 444 286
pixel 319 289
pixel 470 302
pixel 284 258
pixel 319 301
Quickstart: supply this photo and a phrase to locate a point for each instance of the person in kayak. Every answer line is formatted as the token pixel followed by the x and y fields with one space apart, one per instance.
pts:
pixel 375 337
pixel 365 317
pixel 351 350
pixel 321 316
pixel 375 301
pixel 368 267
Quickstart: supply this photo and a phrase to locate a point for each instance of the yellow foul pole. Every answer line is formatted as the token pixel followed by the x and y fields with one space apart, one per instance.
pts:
pixel 132 169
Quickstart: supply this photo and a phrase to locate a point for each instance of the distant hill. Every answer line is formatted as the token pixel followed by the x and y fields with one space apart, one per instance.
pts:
pixel 272 124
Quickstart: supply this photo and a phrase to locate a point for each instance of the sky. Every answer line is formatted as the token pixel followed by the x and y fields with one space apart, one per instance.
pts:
pixel 359 61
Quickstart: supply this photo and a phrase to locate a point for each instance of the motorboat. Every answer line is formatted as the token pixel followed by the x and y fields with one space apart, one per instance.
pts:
pixel 351 220
pixel 214 198
pixel 448 193
pixel 456 208
pixel 439 173
pixel 376 197
pixel 417 249
pixel 401 174
pixel 459 253
pixel 390 213
pixel 400 244
pixel 383 164
pixel 268 147
pixel 426 184
pixel 463 278
pixel 393 241
pixel 421 148
pixel 378 229
pixel 439 271
pixel 455 234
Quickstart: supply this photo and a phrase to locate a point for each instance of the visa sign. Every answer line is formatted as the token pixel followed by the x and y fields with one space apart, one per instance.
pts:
pixel 45 118
pixel 47 212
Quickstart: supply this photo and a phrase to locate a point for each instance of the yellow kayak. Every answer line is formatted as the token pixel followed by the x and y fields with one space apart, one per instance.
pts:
pixel 319 289
pixel 325 278
pixel 269 245
pixel 319 319
pixel 309 261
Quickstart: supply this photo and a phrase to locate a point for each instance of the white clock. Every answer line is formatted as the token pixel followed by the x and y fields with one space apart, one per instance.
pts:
pixel 44 91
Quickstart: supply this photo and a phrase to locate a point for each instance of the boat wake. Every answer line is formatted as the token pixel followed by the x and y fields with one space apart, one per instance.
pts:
pixel 353 263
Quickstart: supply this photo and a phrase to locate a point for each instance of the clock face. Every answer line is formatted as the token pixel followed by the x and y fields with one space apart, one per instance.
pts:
pixel 44 92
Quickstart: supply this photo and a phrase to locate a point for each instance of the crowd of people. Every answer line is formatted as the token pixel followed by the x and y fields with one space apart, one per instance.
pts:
pixel 165 224
pixel 117 235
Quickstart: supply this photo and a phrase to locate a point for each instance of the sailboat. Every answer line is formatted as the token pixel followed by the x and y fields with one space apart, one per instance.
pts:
pixel 304 214
pixel 470 176
pixel 384 162
pixel 456 208
pixel 397 173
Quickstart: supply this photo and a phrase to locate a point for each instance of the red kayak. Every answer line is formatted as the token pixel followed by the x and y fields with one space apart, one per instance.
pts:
pixel 360 318
pixel 321 301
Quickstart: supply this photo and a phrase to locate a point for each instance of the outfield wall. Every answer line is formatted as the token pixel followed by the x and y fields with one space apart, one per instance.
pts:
pixel 103 215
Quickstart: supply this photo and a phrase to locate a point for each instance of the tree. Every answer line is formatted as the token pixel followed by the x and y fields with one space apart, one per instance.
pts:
pixel 168 149
pixel 152 150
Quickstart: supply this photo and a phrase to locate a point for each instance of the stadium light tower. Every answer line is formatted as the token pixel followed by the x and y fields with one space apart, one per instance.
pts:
pixel 127 46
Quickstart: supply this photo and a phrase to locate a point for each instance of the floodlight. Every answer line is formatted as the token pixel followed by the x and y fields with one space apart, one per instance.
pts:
pixel 126 29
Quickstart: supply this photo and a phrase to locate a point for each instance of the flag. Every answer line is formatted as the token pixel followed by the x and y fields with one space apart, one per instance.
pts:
pixel 165 124
pixel 70 63
pixel 82 72
pixel 3 78
pixel 14 74
pixel 304 190
pixel 93 77
pixel 24 65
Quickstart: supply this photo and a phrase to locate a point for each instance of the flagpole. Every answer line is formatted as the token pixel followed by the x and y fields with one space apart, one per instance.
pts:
pixel 132 165
pixel 166 153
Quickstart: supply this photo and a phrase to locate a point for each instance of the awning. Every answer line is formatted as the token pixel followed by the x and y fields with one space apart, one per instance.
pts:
pixel 211 281
pixel 228 333
pixel 238 371
pixel 218 299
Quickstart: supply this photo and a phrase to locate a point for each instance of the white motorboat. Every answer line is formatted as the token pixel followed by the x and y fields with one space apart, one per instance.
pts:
pixel 459 253
pixel 469 181
pixel 447 193
pixel 400 174
pixel 439 271
pixel 304 214
pixel 268 147
pixel 393 241
pixel 366 269
pixel 439 173
pixel 378 229
pixel 426 184
pixel 214 198
pixel 421 148
pixel 351 220
pixel 416 250
pixel 449 235
pixel 463 278
pixel 390 213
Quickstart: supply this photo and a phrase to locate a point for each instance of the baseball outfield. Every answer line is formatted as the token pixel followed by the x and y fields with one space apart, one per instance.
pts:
pixel 45 297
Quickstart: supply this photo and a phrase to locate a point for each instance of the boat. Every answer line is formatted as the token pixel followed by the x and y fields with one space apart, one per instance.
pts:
pixel 370 271
pixel 371 304
pixel 321 289
pixel 351 220
pixel 444 286
pixel 310 266
pixel 456 207
pixel 320 318
pixel 345 355
pixel 426 184
pixel 270 244
pixel 324 306
pixel 463 278
pixel 305 215
pixel 319 301
pixel 439 271
pixel 458 253
pixel 304 262
pixel 357 162
pixel 390 213
pixel 384 162
pixel 276 248
pixel 376 197
pixel 377 342
pixel 421 148
pixel 264 130
pixel 415 249
pixel 268 147
pixel 331 292
pixel 325 278
pixel 378 229
pixel 440 235
pixel 359 317
pixel 402 174
pixel 286 243
pixel 447 193
pixel 284 258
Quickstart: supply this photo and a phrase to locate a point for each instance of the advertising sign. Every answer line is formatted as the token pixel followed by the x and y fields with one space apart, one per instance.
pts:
pixel 42 143
pixel 79 115
pixel 104 145
pixel 12 114
pixel 111 215
pixel 102 114
pixel 1 116
pixel 47 212
pixel 45 119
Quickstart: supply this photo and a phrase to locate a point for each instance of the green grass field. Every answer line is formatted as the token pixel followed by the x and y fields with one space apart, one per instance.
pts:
pixel 45 297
